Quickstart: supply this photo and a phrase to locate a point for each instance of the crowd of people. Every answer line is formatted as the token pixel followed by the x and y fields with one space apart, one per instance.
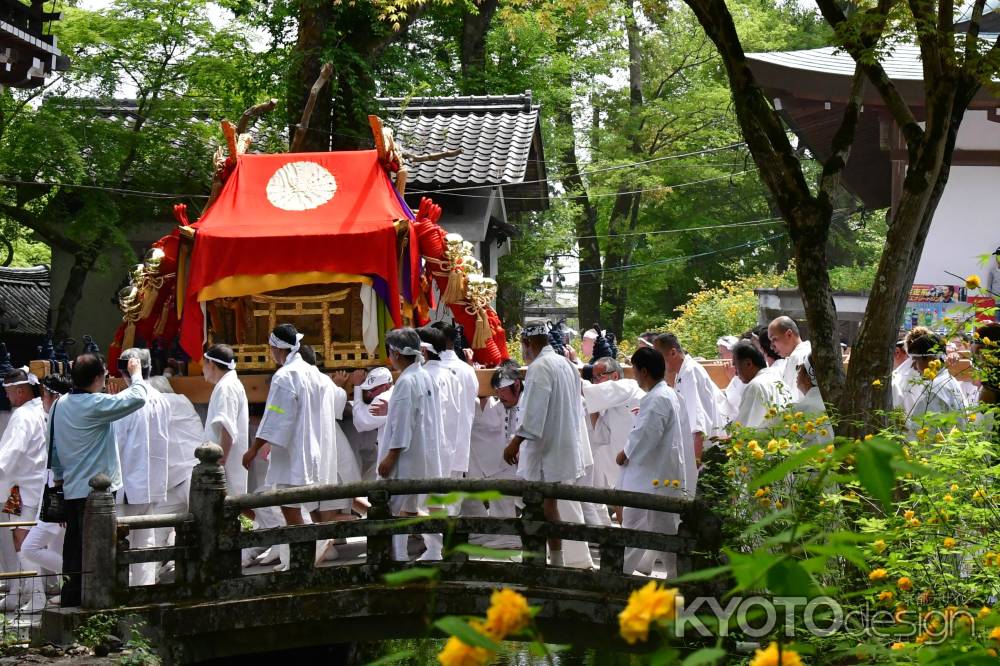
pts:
pixel 560 421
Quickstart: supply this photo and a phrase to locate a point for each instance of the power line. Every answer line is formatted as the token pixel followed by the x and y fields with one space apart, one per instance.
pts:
pixel 749 223
pixel 99 188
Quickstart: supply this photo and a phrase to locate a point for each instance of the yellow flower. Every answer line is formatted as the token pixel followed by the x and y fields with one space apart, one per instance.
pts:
pixel 457 653
pixel 676 483
pixel 758 454
pixel 869 437
pixel 647 604
pixel 508 613
pixel 988 558
pixel 983 612
pixel 973 416
pixel 879 546
pixel 798 415
pixel 921 433
pixel 794 427
pixel 908 514
pixel 921 639
pixel 744 469
pixel 656 482
pixel 829 448
pixel 752 444
pixel 771 656
pixel 949 542
pixel 885 595
pixel 778 504
pixel 878 575
pixel 995 634
pixel 929 375
pixel 948 498
pixel 904 583
pixel 898 646
pixel 914 522
pixel 972 282
pixel 954 487
pixel 772 446
pixel 759 492
pixel 877 383
pixel 991 652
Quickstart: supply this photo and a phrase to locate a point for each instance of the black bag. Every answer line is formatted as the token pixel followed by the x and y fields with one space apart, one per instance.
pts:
pixel 53 501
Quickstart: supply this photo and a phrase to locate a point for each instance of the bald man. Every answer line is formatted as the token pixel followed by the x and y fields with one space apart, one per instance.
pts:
pixel 784 335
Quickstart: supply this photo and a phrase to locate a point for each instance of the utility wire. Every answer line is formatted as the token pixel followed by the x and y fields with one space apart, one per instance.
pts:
pixel 749 223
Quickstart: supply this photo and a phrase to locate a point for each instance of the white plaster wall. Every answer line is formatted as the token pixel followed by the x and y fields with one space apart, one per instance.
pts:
pixel 966 224
pixel 977 132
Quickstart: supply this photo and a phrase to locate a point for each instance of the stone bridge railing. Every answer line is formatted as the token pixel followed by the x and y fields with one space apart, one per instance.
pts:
pixel 209 540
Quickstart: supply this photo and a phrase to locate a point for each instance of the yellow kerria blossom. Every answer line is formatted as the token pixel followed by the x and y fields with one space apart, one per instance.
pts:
pixel 885 595
pixel 753 445
pixel 948 498
pixel 983 612
pixel 995 634
pixel 991 652
pixel 973 416
pixel 744 469
pixel 829 448
pixel 656 482
pixel 650 603
pixel 869 437
pixel 978 496
pixel 908 514
pixel 758 454
pixel 778 504
pixel 972 282
pixel 953 487
pixel 929 375
pixel 676 483
pixel 457 653
pixel 877 383
pixel 760 492
pixel 904 583
pixel 772 446
pixel 878 575
pixel 794 427
pixel 914 522
pixel 949 542
pixel 898 646
pixel 508 614
pixel 878 546
pixel 772 656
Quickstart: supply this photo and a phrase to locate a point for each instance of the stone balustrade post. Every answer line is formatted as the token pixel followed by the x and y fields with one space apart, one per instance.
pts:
pixel 379 548
pixel 214 531
pixel 100 546
pixel 532 516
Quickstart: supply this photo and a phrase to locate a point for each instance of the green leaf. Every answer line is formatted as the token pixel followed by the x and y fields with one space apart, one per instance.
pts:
pixel 483 551
pixel 765 521
pixel 664 657
pixel 701 574
pixel 410 575
pixel 416 520
pixel 750 570
pixel 788 578
pixel 782 470
pixel 393 658
pixel 875 471
pixel 704 656
pixel 460 629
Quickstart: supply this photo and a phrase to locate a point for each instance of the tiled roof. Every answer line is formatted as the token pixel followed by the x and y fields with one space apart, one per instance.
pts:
pixel 495 134
pixel 902 64
pixel 24 300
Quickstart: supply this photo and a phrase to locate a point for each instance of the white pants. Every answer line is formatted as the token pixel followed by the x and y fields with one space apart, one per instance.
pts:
pixel 639 559
pixel 8 556
pixel 42 548
pixel 144 573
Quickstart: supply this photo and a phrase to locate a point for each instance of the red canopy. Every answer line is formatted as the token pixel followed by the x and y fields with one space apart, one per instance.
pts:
pixel 295 213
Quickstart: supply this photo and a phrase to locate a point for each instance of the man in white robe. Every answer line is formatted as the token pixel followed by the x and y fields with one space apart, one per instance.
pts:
pixel 902 376
pixel 372 391
pixel 296 422
pixel 466 398
pixel 700 396
pixel 411 446
pixel 23 455
pixel 449 397
pixel 655 451
pixel 612 402
pixel 811 405
pixel 228 421
pixel 937 392
pixel 549 444
pixel 783 333
pixel 764 386
pixel 143 439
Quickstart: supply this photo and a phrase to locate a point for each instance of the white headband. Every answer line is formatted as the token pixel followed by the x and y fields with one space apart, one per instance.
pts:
pixel 505 382
pixel 32 380
pixel 406 351
pixel 231 365
pixel 428 346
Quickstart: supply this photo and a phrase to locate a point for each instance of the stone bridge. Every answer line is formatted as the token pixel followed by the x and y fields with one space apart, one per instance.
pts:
pixel 215 609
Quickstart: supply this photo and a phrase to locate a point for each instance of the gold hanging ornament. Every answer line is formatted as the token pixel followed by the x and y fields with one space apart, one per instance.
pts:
pixel 480 293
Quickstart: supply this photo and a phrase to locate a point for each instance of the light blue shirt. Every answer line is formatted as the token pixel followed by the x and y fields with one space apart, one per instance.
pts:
pixel 83 440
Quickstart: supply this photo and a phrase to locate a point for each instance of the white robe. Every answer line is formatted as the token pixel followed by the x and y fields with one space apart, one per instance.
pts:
pixel 616 403
pixel 449 397
pixel 489 437
pixel 905 386
pixel 364 420
pixel 468 398
pixel 941 395
pixel 413 426
pixel 552 421
pixel 186 435
pixel 765 390
pixel 656 450
pixel 329 454
pixel 790 372
pixel 701 398
pixel 143 439
pixel 23 454
pixel 734 395
pixel 811 405
pixel 293 423
pixel 228 411
pixel 348 465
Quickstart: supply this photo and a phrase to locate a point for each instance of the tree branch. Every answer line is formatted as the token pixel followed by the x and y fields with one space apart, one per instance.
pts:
pixel 52 235
pixel 894 101
pixel 843 139
pixel 254 112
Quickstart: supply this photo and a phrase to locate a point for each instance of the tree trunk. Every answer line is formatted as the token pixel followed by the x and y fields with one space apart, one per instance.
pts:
pixel 475 27
pixel 315 17
pixel 83 263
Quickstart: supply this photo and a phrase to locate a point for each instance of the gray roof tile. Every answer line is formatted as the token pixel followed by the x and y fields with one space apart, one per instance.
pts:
pixel 24 300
